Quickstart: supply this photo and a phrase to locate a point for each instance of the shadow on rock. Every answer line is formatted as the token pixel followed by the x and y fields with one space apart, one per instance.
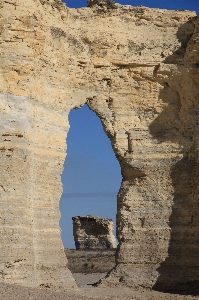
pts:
pixel 178 124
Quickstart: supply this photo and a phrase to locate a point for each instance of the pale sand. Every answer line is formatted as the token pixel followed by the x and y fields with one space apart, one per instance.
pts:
pixel 86 291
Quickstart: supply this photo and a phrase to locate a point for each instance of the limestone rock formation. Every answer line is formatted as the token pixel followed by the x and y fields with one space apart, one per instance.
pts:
pixel 92 232
pixel 138 70
pixel 102 3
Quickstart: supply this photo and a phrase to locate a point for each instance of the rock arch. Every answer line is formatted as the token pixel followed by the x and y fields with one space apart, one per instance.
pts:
pixel 137 68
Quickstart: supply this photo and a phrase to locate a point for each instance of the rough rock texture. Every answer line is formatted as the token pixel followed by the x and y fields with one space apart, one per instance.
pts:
pixel 101 3
pixel 92 232
pixel 138 70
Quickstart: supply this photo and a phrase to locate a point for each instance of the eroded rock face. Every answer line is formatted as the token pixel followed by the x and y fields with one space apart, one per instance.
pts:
pixel 102 3
pixel 92 232
pixel 137 69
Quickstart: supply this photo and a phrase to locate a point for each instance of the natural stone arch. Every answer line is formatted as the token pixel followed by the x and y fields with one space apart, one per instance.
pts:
pixel 120 62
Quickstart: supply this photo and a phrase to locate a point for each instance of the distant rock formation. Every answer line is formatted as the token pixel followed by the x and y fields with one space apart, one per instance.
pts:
pixel 91 232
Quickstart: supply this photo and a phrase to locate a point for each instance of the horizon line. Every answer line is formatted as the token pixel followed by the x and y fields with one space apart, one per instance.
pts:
pixel 89 195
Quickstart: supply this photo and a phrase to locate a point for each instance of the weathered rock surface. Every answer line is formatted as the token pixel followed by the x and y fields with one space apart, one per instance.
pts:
pixel 92 232
pixel 137 68
pixel 102 3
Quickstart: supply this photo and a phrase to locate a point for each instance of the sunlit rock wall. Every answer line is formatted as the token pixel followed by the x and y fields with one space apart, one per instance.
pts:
pixel 137 68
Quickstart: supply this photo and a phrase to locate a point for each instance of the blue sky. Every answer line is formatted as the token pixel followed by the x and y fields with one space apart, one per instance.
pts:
pixel 91 177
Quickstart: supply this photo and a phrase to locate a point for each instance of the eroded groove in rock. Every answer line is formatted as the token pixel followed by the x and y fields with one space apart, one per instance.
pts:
pixel 137 68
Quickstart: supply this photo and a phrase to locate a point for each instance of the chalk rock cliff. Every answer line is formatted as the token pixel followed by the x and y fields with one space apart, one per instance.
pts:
pixel 138 70
pixel 92 232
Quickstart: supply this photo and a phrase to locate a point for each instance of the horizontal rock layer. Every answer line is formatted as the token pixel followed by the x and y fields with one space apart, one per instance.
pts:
pixel 137 69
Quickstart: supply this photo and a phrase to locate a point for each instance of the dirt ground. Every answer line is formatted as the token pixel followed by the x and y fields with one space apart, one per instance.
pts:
pixel 90 261
pixel 13 292
pixel 87 280
pixel 84 260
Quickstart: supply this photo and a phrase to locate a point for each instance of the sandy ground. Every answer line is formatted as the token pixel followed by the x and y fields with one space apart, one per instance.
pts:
pixel 86 291
pixel 87 280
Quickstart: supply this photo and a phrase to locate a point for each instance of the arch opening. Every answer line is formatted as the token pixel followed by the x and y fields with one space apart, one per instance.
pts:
pixel 91 178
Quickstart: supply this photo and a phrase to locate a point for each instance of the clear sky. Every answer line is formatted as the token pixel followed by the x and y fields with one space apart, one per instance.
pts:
pixel 91 177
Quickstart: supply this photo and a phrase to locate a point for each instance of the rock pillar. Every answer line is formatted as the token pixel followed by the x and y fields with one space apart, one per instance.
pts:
pixel 92 232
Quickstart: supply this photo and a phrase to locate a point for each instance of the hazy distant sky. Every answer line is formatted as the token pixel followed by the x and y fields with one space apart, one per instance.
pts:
pixel 91 177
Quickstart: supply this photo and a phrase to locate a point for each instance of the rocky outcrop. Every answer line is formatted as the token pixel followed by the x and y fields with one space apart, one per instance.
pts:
pixel 137 69
pixel 102 3
pixel 92 232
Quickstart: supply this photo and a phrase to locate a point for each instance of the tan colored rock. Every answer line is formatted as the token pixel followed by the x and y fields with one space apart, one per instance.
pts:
pixel 103 3
pixel 92 232
pixel 137 69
